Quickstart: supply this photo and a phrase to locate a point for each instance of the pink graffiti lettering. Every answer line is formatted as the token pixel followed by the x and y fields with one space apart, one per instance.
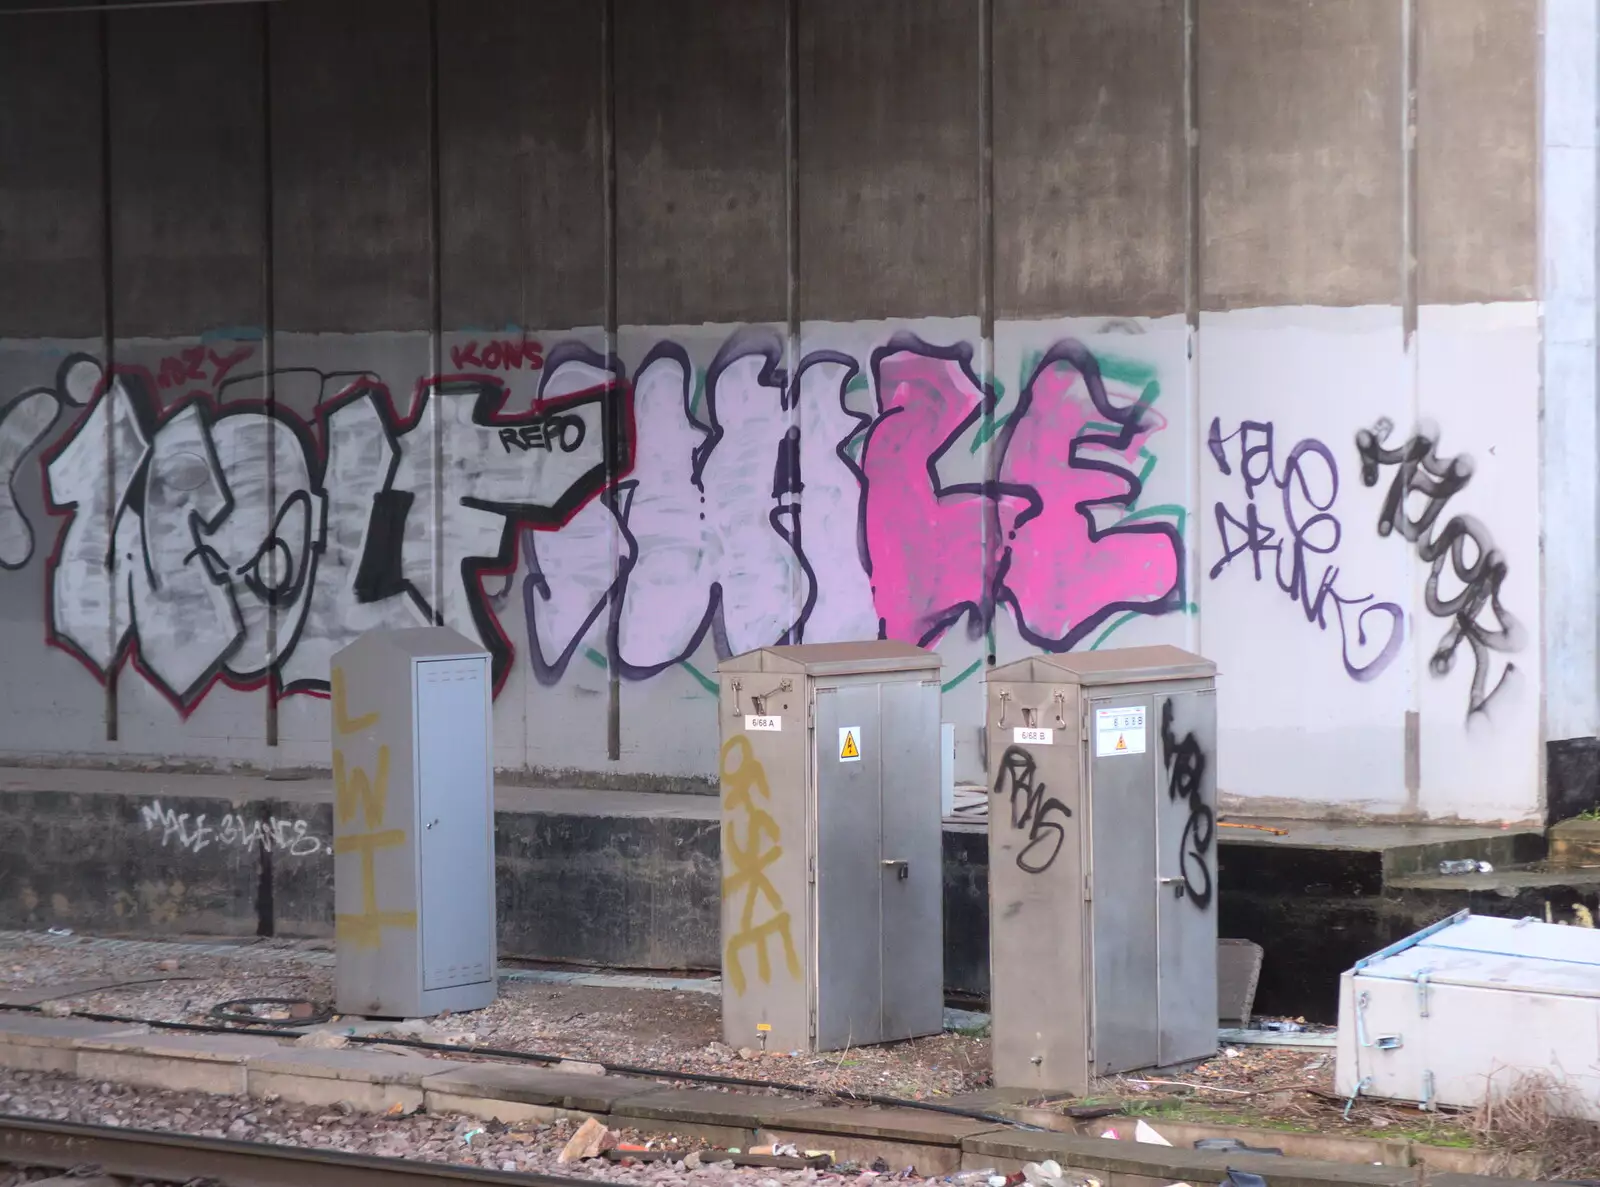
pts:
pixel 1069 569
pixel 925 538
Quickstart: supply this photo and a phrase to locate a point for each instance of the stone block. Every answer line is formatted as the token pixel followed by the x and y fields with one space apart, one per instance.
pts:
pixel 33 1043
pixel 179 1063
pixel 372 1081
pixel 1136 1164
pixel 720 1118
pixel 555 1092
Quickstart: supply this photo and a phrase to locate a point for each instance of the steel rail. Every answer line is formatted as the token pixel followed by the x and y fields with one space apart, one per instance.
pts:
pixel 179 1158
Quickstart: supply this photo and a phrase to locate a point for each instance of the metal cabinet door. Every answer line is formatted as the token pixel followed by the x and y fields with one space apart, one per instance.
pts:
pixel 1123 884
pixel 1186 914
pixel 455 810
pixel 913 900
pixel 849 902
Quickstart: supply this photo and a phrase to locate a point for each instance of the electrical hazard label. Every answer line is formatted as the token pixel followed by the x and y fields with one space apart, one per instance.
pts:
pixel 1119 731
pixel 850 743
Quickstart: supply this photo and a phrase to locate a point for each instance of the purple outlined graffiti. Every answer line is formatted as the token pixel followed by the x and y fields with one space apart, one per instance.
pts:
pixel 765 508
pixel 1463 542
pixel 1307 486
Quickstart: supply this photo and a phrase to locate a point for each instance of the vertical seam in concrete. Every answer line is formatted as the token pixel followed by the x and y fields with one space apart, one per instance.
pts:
pixel 608 152
pixel 1408 318
pixel 435 311
pixel 268 352
pixel 791 189
pixel 109 335
pixel 266 907
pixel 1191 193
pixel 1191 303
pixel 1408 174
pixel 1542 750
pixel 991 517
pixel 986 171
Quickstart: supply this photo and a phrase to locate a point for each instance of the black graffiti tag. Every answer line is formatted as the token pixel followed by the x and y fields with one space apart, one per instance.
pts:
pixel 1464 542
pixel 1186 768
pixel 1308 484
pixel 1031 810
pixel 547 433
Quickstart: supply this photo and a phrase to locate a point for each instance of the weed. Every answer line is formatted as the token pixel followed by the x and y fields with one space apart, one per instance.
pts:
pixel 1532 1112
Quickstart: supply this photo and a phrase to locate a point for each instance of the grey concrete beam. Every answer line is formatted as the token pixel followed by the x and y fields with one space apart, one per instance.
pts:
pixel 1300 152
pixel 700 161
pixel 1089 157
pixel 50 206
pixel 351 165
pixel 188 171
pixel 888 158
pixel 519 169
pixel 1477 150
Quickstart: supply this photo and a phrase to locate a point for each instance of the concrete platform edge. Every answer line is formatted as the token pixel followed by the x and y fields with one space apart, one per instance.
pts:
pixel 927 1140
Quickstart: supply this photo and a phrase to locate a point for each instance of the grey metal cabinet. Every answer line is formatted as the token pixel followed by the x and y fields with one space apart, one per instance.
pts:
pixel 832 924
pixel 1102 865
pixel 413 831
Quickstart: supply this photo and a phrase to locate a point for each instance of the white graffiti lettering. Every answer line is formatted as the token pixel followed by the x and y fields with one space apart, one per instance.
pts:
pixel 192 834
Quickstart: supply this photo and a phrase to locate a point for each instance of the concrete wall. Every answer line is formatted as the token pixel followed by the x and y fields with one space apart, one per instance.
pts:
pixel 995 326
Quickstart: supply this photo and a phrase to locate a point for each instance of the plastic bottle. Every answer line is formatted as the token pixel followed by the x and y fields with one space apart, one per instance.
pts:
pixel 1463 865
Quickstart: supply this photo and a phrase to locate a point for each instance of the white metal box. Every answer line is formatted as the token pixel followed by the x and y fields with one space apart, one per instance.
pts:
pixel 1102 865
pixel 413 824
pixel 832 879
pixel 1469 1006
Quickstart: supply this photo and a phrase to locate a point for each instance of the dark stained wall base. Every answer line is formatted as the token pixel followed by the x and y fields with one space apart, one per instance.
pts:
pixel 1572 779
pixel 632 890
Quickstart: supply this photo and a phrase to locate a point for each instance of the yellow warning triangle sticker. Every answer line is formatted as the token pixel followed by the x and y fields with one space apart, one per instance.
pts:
pixel 849 750
pixel 1122 743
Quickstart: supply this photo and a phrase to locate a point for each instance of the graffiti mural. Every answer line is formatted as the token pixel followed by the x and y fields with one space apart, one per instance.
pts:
pixel 190 524
pixel 206 536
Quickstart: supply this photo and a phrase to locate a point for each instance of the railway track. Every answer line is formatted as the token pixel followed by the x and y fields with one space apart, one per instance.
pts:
pixel 104 1156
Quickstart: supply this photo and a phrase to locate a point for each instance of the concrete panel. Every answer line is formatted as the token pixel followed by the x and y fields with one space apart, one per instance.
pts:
pixel 888 158
pixel 50 195
pixel 1320 678
pixel 188 170
pixel 1477 149
pixel 351 165
pixel 1478 635
pixel 1090 164
pixel 1300 161
pixel 520 175
pixel 701 226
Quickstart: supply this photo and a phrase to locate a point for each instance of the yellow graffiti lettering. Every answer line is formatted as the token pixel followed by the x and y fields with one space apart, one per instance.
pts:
pixel 749 861
pixel 354 789
pixel 343 723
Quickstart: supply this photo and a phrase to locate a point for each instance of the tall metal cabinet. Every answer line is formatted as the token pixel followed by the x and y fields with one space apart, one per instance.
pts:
pixel 832 923
pixel 1102 864
pixel 413 824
